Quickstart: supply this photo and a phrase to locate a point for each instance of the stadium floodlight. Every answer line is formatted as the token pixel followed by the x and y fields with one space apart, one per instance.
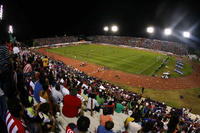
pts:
pixel 186 34
pixel 106 28
pixel 150 29
pixel 114 28
pixel 1 12
pixel 10 29
pixel 167 31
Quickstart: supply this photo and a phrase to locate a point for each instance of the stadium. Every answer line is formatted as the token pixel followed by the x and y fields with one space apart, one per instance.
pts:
pixel 101 67
pixel 132 64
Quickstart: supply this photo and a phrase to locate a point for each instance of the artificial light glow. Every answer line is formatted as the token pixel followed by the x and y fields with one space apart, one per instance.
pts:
pixel 150 29
pixel 114 28
pixel 106 28
pixel 168 31
pixel 1 12
pixel 10 29
pixel 186 34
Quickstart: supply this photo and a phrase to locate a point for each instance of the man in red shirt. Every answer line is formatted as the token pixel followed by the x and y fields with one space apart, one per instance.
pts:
pixel 71 104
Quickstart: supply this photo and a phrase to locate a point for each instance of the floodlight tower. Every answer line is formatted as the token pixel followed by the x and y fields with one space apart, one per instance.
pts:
pixel 1 12
pixel 168 31
pixel 114 28
pixel 186 34
pixel 10 32
pixel 10 29
pixel 150 30
pixel 106 29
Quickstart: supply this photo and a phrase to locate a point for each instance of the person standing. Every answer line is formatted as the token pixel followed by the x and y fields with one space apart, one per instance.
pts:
pixel 142 90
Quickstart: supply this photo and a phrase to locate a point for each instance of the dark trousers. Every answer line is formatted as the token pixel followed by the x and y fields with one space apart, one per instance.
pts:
pixel 3 108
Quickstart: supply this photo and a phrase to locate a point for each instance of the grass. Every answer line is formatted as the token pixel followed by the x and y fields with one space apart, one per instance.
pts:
pixel 171 97
pixel 117 58
pixel 171 63
pixel 137 62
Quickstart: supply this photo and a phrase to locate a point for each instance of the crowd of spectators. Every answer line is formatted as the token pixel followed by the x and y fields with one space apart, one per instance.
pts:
pixel 41 86
pixel 55 40
pixel 154 44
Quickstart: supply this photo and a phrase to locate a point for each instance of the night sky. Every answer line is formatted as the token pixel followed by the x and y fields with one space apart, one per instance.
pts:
pixel 48 18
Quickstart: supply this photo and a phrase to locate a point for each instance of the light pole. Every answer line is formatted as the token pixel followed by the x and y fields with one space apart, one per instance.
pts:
pixel 114 28
pixel 168 31
pixel 1 12
pixel 150 30
pixel 10 32
pixel 186 34
pixel 106 29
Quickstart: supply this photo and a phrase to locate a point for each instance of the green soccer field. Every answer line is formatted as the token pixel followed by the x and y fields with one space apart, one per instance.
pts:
pixel 118 58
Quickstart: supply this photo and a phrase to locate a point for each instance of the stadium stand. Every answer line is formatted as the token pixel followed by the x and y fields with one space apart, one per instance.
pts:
pixel 40 110
pixel 172 47
pixel 55 40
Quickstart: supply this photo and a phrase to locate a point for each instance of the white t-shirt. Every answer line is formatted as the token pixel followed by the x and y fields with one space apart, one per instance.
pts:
pixel 94 103
pixel 133 127
pixel 57 96
pixel 32 85
pixel 15 50
pixel 64 90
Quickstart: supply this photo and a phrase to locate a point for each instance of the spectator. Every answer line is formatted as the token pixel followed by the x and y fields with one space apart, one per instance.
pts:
pixel 14 118
pixel 15 49
pixel 38 88
pixel 92 103
pixel 107 129
pixel 45 61
pixel 83 123
pixel 105 117
pixel 142 90
pixel 131 126
pixel 71 104
pixel 85 95
pixel 119 107
pixel 48 123
pixel 70 128
pixel 100 99
pixel 173 122
pixel 57 96
pixel 27 69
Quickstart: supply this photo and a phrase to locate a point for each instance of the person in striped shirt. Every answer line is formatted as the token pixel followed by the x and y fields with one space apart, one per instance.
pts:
pixel 14 120
pixel 28 68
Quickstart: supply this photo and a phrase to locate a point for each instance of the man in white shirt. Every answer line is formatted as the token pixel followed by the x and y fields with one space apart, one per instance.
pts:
pixel 57 96
pixel 94 101
pixel 64 90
